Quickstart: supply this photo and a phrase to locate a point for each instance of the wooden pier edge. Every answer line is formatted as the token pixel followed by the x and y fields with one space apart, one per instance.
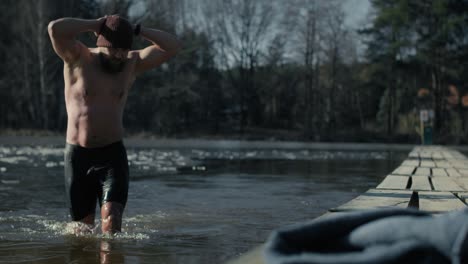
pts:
pixel 432 179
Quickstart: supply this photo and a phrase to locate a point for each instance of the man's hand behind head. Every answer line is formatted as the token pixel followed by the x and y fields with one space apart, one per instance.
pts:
pixel 101 21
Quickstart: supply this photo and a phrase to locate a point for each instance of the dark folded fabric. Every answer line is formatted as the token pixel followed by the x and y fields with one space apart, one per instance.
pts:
pixel 373 236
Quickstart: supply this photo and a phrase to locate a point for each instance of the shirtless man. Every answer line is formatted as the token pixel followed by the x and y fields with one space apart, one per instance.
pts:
pixel 97 82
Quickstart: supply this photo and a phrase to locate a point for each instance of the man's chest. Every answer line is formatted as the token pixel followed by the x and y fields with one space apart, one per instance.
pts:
pixel 90 82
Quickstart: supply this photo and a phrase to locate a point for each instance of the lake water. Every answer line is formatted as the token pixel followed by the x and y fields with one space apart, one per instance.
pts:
pixel 185 205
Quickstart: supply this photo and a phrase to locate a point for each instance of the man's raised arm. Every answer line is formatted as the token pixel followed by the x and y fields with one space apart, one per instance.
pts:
pixel 164 46
pixel 63 34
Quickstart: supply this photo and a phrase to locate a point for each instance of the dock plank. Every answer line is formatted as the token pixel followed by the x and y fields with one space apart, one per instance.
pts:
pixel 394 182
pixel 422 171
pixel 427 163
pixel 254 256
pixel 453 172
pixel 420 183
pixel 410 162
pixel 446 184
pixel 438 202
pixel 439 172
pixel 377 198
pixel 447 155
pixel 460 164
pixel 443 164
pixel 462 182
pixel 425 155
pixel 463 172
pixel 404 170
pixel 463 196
pixel 458 155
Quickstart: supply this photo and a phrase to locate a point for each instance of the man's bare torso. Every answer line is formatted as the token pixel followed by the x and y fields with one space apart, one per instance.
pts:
pixel 95 100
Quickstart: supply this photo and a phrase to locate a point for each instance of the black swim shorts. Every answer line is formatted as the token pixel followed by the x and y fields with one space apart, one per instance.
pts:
pixel 95 174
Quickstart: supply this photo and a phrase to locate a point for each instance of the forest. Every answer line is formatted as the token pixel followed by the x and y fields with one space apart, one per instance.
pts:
pixel 259 69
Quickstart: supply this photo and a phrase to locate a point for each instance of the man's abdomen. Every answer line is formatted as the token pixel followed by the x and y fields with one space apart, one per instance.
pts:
pixel 94 126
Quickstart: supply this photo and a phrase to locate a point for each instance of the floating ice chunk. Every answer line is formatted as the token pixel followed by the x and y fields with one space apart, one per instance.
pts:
pixel 14 160
pixel 10 181
pixel 198 168
pixel 289 156
pixel 51 164
pixel 251 154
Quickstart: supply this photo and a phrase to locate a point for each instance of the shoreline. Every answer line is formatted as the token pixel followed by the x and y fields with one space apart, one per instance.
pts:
pixel 170 143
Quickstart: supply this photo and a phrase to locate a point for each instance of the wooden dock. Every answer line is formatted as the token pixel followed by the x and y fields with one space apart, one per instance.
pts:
pixel 433 179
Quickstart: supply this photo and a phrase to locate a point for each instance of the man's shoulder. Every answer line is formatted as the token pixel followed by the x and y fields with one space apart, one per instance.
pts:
pixel 85 57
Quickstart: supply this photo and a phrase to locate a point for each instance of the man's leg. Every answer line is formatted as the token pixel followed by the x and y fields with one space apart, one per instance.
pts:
pixel 114 188
pixel 111 215
pixel 89 220
pixel 80 189
pixel 84 226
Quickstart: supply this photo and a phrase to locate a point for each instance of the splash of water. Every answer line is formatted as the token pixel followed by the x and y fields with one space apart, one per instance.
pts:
pixel 34 227
pixel 89 231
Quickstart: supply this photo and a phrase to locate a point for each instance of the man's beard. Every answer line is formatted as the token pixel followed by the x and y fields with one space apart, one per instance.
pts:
pixel 111 66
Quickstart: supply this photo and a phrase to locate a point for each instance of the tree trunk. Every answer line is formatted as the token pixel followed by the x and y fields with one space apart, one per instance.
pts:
pixel 436 86
pixel 310 53
pixel 332 95
pixel 27 86
pixel 42 61
pixel 359 107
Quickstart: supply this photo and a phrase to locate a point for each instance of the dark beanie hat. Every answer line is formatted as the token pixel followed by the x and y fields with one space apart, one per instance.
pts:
pixel 116 32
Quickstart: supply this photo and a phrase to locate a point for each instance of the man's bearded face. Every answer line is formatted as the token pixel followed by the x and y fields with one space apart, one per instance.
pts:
pixel 114 61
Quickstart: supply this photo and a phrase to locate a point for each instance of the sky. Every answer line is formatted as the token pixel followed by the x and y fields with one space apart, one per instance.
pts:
pixel 357 12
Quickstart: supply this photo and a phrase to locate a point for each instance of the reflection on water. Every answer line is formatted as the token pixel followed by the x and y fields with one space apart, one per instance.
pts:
pixel 185 206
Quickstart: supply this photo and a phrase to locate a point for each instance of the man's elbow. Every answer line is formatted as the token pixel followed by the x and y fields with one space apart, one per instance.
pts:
pixel 56 28
pixel 52 28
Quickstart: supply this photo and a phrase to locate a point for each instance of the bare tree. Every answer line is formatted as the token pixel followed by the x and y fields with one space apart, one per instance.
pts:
pixel 35 69
pixel 321 34
pixel 335 36
pixel 37 61
pixel 309 35
pixel 240 28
